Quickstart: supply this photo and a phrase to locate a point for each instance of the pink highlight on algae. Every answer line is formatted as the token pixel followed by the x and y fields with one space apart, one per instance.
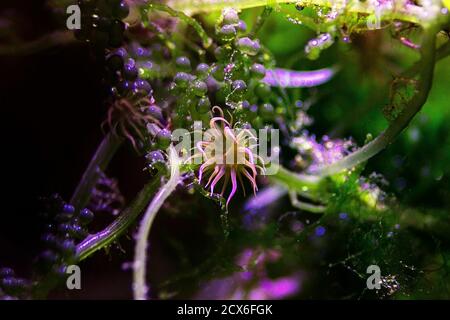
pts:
pixel 253 282
pixel 298 79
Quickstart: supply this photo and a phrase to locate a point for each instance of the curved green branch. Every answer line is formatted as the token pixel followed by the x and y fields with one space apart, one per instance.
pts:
pixel 305 185
pixel 99 162
pixel 427 62
pixel 140 258
pixel 409 14
pixel 105 237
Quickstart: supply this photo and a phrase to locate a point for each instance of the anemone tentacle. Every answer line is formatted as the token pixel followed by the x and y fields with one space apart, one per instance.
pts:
pixel 227 155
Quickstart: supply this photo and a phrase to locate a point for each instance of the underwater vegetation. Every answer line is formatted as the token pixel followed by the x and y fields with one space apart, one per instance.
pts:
pixel 246 150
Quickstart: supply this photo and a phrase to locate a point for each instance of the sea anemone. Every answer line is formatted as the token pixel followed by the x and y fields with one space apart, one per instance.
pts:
pixel 229 153
pixel 128 117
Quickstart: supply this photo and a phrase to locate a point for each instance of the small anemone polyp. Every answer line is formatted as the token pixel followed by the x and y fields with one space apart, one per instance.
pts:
pixel 229 153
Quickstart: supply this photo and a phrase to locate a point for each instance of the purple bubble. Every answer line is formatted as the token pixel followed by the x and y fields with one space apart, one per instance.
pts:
pixel 320 231
pixel 343 216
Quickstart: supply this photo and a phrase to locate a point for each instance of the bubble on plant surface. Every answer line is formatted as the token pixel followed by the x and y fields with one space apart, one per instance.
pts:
pixel 242 26
pixel 86 216
pixel 183 63
pixel 258 70
pixel 199 88
pixel 227 32
pixel 182 79
pixel 142 87
pixel 239 86
pixel 230 16
pixel 163 138
pixel 204 105
pixel 139 51
pixel 248 46
pixel 130 70
pixel 154 157
pixel 156 112
pixel 266 111
pixel 202 69
pixel 315 46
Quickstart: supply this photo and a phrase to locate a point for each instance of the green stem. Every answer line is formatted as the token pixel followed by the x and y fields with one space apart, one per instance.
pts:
pixel 103 238
pixel 140 259
pixel 304 205
pixel 99 162
pixel 304 185
pixel 401 122
pixel 411 14
pixel 207 41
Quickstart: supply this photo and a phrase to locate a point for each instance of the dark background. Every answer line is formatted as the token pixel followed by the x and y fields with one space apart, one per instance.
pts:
pixel 51 108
